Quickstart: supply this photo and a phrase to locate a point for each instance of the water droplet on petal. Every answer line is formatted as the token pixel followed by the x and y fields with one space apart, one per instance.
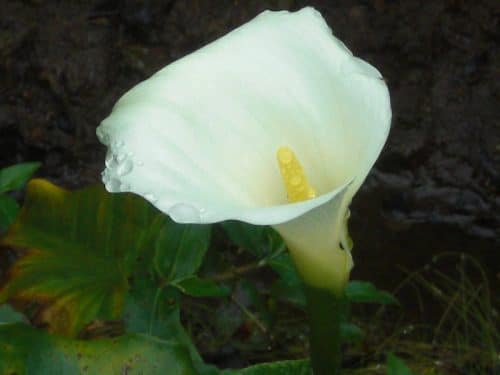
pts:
pixel 104 176
pixel 112 184
pixel 125 167
pixel 110 158
pixel 140 163
pixel 120 157
pixel 184 213
pixel 102 135
pixel 117 144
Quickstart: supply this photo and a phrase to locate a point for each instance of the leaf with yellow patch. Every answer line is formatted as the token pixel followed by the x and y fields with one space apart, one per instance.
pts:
pixel 77 250
pixel 26 350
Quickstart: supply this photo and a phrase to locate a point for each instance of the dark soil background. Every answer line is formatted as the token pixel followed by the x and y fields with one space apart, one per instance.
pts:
pixel 436 186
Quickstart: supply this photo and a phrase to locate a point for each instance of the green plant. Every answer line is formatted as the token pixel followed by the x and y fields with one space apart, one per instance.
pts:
pixel 11 179
pixel 108 272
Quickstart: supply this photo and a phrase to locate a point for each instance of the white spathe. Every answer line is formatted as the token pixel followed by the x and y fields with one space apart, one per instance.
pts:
pixel 199 138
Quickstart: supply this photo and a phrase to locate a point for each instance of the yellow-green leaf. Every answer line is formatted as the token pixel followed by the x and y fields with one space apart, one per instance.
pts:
pixel 26 350
pixel 77 250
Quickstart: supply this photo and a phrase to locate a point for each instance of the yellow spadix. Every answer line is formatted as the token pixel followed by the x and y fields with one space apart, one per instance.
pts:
pixel 295 180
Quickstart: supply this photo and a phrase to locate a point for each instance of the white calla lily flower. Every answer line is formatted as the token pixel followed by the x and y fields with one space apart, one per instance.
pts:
pixel 199 139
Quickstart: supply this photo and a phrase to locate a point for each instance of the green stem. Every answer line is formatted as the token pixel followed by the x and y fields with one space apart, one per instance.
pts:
pixel 326 310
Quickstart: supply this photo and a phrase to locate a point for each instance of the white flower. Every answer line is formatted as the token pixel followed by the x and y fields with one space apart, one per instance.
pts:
pixel 199 138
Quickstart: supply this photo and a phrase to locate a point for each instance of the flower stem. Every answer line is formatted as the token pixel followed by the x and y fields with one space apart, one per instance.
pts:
pixel 326 310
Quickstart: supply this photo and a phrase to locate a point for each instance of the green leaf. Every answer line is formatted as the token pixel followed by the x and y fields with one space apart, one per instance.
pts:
pixel 25 350
pixel 350 332
pixel 180 249
pixel 261 241
pixel 89 255
pixel 8 211
pixel 249 237
pixel 284 267
pixel 9 315
pixel 396 366
pixel 152 306
pixel 289 287
pixel 16 176
pixel 196 287
pixel 296 367
pixel 267 245
pixel 153 309
pixel 366 292
pixel 78 249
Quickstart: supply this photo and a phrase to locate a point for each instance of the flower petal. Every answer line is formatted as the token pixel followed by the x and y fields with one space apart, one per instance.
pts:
pixel 199 138
pixel 314 241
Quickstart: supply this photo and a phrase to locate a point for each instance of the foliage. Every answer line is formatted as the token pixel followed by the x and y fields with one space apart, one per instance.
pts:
pixel 26 350
pixel 366 292
pixel 11 179
pixel 9 315
pixel 266 245
pixel 77 250
pixel 15 177
pixel 108 273
pixel 466 336
pixel 396 366
pixel 299 367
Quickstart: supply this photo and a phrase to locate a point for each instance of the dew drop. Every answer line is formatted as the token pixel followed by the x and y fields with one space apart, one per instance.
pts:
pixel 124 167
pixel 102 135
pixel 140 163
pixel 109 160
pixel 120 157
pixel 105 176
pixel 184 213
pixel 112 184
pixel 117 144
